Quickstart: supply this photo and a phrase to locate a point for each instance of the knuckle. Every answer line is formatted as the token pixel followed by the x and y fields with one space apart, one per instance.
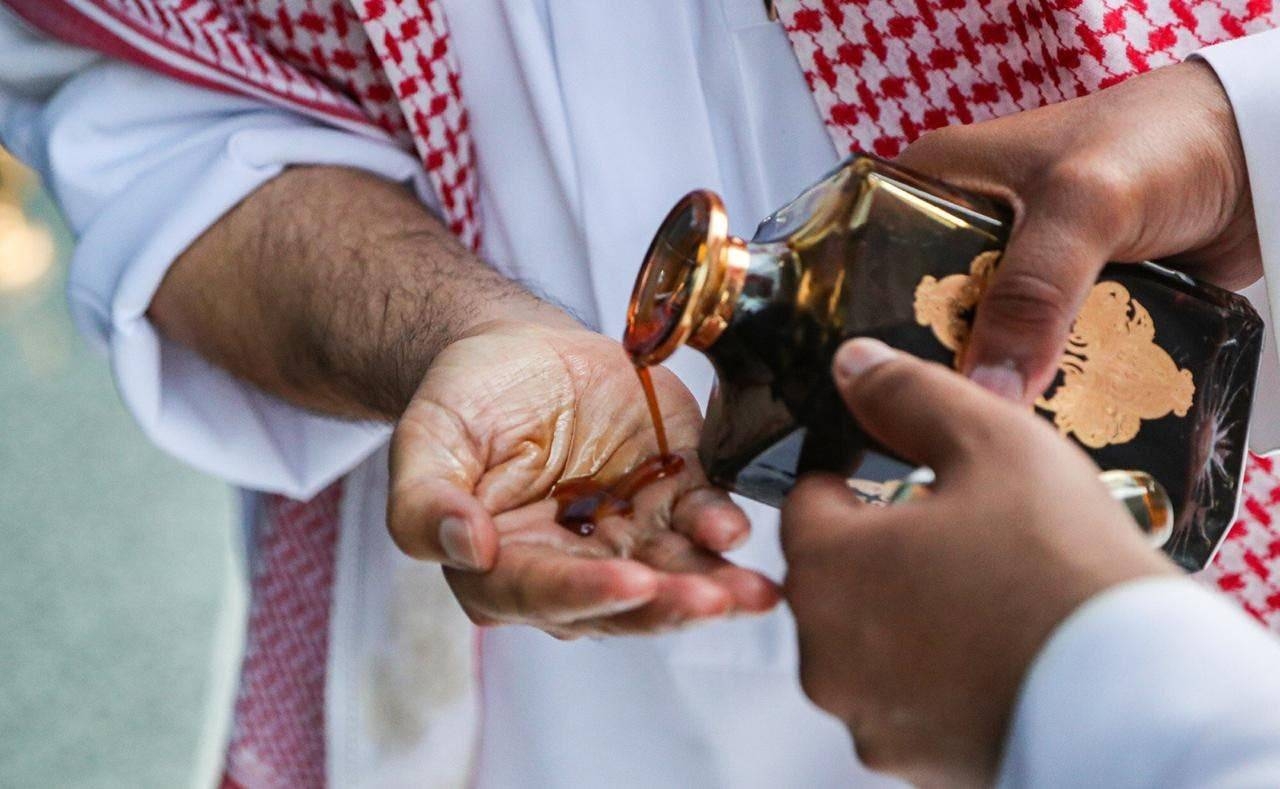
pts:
pixel 933 145
pixel 823 673
pixel 804 511
pixel 979 436
pixel 1023 301
pixel 1092 181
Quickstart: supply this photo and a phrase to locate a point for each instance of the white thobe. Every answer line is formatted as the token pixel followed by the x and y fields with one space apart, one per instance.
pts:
pixel 589 120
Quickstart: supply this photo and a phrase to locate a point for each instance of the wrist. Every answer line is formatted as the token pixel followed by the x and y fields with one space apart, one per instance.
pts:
pixel 424 345
pixel 1206 96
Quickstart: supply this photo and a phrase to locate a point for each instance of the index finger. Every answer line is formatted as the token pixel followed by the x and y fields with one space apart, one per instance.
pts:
pixel 540 585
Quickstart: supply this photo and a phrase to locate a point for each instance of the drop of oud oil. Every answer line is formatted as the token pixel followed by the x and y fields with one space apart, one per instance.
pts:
pixel 583 502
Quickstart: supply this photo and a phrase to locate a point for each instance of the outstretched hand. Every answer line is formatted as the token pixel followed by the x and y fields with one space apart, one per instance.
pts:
pixel 918 621
pixel 508 411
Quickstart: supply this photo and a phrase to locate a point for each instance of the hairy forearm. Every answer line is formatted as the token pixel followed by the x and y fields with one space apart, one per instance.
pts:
pixel 334 290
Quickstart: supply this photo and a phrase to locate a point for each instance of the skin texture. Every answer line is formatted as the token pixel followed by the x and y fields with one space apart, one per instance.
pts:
pixel 1149 169
pixel 917 622
pixel 340 293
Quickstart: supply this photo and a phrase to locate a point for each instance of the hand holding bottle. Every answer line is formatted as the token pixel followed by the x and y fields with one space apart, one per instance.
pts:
pixel 917 622
pixel 1149 169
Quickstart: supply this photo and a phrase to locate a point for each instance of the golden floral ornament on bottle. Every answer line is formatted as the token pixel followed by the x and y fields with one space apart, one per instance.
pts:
pixel 946 305
pixel 1114 375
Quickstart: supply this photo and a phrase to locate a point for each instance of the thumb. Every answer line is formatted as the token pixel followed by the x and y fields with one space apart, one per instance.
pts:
pixel 432 511
pixel 921 411
pixel 1027 309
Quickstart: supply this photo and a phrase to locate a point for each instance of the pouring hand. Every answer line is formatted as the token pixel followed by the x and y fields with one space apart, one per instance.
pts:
pixel 1151 168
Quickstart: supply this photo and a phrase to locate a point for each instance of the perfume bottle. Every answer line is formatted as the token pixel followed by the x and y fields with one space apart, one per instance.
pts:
pixel 1157 376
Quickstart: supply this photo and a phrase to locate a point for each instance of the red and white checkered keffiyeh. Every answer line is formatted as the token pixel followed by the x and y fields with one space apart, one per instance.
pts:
pixel 882 72
pixel 374 66
pixel 278 727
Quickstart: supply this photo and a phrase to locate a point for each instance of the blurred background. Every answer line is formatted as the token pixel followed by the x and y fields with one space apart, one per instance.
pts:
pixel 119 606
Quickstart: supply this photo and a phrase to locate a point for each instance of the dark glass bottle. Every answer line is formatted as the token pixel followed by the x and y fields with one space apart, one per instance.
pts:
pixel 1158 374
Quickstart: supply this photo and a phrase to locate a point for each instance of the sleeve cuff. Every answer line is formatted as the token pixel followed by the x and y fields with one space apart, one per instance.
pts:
pixel 141 173
pixel 1157 682
pixel 1247 68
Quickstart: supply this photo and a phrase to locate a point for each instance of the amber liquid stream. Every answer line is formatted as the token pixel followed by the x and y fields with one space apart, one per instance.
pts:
pixel 583 502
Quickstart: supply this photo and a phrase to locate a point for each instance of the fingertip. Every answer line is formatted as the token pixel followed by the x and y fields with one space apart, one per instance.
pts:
pixel 467 535
pixel 1003 379
pixel 722 529
pixel 730 536
pixel 710 600
pixel 485 536
pixel 858 356
pixel 699 598
pixel 1029 303
pixel 753 593
pixel 633 582
pixel 711 519
pixel 435 521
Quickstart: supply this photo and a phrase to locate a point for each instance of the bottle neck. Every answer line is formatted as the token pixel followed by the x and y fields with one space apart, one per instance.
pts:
pixel 713 310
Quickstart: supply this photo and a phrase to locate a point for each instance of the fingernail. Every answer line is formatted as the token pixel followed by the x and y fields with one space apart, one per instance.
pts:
pixel 735 538
pixel 1002 379
pixel 455 539
pixel 858 356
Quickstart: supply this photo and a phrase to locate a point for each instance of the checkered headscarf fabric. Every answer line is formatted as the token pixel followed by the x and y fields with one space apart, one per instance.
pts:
pixel 1247 567
pixel 883 72
pixel 381 67
pixel 278 724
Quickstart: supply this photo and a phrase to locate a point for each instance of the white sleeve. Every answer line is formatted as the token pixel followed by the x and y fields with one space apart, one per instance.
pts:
pixel 1156 683
pixel 31 65
pixel 1249 70
pixel 141 165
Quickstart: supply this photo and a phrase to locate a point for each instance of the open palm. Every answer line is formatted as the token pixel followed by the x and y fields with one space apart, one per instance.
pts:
pixel 502 416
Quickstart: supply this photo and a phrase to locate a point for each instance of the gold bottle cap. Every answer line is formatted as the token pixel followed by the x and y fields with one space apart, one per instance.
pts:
pixel 1146 500
pixel 689 282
